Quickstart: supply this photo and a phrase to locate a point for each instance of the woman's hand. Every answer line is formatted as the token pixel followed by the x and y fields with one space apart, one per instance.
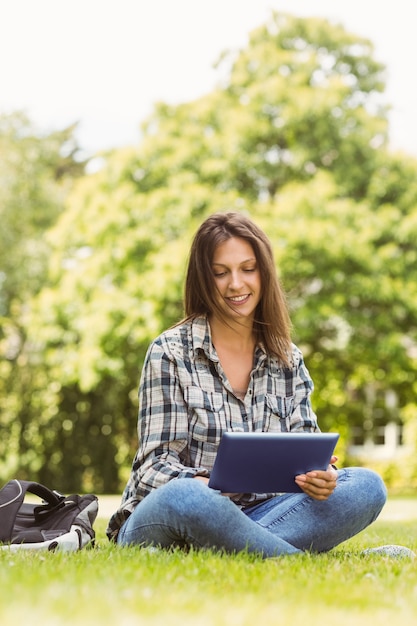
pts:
pixel 319 484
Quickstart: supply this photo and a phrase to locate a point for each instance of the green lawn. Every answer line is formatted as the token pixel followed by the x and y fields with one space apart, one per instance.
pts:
pixel 109 585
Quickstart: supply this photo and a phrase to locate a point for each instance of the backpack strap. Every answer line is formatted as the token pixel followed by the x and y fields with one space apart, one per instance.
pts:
pixel 12 496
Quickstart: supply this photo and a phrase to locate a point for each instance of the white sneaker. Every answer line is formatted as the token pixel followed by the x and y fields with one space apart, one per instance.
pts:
pixel 396 552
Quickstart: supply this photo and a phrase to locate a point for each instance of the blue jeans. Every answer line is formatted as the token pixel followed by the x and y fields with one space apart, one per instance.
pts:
pixel 186 512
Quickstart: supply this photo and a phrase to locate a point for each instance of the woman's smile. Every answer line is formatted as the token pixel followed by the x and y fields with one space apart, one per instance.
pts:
pixel 239 299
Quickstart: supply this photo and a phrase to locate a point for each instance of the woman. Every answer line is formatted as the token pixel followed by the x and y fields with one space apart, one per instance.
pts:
pixel 230 365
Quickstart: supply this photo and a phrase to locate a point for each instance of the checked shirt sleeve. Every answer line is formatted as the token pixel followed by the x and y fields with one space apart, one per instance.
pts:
pixel 302 417
pixel 162 425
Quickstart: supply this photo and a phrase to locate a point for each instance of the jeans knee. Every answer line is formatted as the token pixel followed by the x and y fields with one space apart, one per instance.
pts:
pixel 376 487
pixel 372 486
pixel 178 488
pixel 185 497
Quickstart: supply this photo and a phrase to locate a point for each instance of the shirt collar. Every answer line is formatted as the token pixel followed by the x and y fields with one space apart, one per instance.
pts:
pixel 201 334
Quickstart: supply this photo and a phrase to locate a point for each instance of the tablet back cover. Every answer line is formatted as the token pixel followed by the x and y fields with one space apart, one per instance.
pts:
pixel 268 462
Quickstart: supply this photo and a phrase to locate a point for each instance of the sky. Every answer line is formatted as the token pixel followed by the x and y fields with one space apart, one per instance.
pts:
pixel 104 63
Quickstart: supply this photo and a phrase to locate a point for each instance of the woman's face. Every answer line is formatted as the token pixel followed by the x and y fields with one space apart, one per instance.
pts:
pixel 237 278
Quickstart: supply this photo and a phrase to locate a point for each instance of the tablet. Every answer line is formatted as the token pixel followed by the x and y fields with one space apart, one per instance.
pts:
pixel 257 462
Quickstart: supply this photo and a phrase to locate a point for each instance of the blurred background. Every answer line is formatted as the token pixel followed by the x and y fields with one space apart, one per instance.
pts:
pixel 122 126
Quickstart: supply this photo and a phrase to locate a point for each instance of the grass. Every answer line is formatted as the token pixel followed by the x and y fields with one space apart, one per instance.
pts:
pixel 110 585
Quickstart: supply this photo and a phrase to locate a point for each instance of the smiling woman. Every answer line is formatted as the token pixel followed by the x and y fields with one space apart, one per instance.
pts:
pixel 232 278
pixel 230 366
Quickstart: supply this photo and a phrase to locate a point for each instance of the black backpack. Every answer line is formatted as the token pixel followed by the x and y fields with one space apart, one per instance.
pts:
pixel 58 522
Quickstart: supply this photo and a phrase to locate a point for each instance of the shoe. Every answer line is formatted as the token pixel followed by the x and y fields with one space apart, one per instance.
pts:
pixel 396 552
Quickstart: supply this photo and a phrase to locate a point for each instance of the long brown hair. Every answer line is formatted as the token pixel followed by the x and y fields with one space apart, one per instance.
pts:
pixel 272 322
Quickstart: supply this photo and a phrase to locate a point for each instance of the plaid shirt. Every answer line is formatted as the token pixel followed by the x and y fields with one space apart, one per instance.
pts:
pixel 186 403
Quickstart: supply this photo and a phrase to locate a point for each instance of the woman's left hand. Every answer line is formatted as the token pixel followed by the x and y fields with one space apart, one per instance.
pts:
pixel 319 484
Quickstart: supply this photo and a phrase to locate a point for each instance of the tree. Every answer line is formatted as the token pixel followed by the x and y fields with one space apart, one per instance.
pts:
pixel 30 200
pixel 295 135
pixel 36 171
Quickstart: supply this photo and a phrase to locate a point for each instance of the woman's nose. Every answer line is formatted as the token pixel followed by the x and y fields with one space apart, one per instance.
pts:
pixel 235 280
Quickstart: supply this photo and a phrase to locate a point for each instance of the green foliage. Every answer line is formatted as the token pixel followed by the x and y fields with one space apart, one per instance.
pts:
pixel 30 201
pixel 36 172
pixel 296 136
